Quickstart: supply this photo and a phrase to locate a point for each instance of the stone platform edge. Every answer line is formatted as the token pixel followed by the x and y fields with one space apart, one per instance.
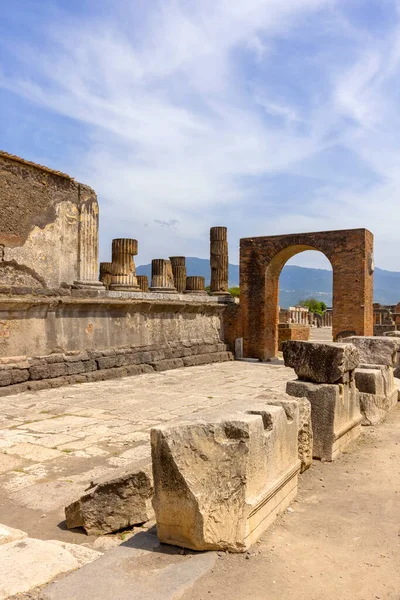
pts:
pixel 21 373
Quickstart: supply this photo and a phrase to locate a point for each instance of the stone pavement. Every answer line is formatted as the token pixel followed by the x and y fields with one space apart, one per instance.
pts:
pixel 54 443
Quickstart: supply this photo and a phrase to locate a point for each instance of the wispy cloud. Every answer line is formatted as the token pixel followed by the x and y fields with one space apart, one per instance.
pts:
pixel 263 115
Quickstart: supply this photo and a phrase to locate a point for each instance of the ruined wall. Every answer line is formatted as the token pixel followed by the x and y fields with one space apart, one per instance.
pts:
pixel 35 326
pixel 48 227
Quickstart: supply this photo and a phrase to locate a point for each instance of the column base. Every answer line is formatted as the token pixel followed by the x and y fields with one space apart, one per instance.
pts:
pixel 88 285
pixel 163 290
pixel 226 294
pixel 120 287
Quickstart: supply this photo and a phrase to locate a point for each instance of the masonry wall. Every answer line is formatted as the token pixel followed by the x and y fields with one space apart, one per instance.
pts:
pixel 41 241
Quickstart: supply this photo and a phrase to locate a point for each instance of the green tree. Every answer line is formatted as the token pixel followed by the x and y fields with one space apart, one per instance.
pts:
pixel 235 291
pixel 314 305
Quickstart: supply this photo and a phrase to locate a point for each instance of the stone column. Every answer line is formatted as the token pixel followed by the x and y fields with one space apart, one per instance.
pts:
pixel 143 282
pixel 88 241
pixel 219 261
pixel 106 271
pixel 179 272
pixel 195 285
pixel 162 279
pixel 124 270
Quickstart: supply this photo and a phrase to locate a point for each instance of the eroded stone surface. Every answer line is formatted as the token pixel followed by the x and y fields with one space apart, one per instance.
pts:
pixel 320 362
pixel 221 477
pixel 114 504
pixel 375 350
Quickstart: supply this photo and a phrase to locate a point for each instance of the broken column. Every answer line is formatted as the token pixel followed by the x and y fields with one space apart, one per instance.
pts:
pixel 375 376
pixel 178 264
pixel 219 261
pixel 143 282
pixel 162 279
pixel 106 272
pixel 88 249
pixel 195 285
pixel 123 265
pixel 220 478
pixel 326 378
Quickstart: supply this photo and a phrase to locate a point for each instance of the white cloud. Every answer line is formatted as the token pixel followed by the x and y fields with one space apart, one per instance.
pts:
pixel 185 122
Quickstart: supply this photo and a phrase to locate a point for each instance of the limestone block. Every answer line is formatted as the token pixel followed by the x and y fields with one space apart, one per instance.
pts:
pixel 114 504
pixel 8 534
pixel 335 415
pixel 377 390
pixel 377 350
pixel 221 477
pixel 320 362
pixel 305 433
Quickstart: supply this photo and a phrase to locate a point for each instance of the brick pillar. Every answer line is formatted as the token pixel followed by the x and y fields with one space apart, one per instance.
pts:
pixel 162 279
pixel 195 285
pixel 179 272
pixel 123 265
pixel 219 261
pixel 143 282
pixel 106 273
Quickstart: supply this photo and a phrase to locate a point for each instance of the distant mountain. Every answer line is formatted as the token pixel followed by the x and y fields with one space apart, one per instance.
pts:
pixel 299 283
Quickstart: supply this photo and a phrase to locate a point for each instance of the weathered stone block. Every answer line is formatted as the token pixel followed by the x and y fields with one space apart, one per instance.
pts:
pixel 305 433
pixel 220 479
pixel 377 391
pixel 19 375
pixel 318 362
pixel 164 365
pixel 113 504
pixel 47 371
pixel 335 415
pixel 74 368
pixel 375 350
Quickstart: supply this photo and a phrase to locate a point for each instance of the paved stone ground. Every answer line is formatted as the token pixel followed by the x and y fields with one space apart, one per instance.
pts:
pixel 54 443
pixel 321 334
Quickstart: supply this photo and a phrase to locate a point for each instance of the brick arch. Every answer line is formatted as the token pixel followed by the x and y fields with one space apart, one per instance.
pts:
pixel 350 253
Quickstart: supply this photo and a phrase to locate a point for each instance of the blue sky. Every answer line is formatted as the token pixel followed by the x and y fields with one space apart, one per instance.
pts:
pixel 269 117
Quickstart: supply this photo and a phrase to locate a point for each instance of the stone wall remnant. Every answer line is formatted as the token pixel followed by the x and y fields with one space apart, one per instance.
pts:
pixel 261 261
pixel 162 279
pixel 219 261
pixel 48 229
pixel 195 285
pixel 221 478
pixel 327 379
pixel 123 265
pixel 178 264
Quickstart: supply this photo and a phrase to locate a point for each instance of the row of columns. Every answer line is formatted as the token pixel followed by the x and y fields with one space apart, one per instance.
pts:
pixel 167 276
pixel 298 315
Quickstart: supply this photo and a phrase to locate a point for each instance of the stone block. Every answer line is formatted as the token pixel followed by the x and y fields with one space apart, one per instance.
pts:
pixel 320 362
pixel 47 371
pixel 221 477
pixel 114 504
pixel 335 415
pixel 305 433
pixel 5 378
pixel 19 375
pixel 377 391
pixel 375 350
pixel 165 365
pixel 75 368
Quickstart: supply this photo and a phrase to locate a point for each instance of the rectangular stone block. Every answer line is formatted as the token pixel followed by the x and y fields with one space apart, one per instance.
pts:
pixel 376 350
pixel 377 391
pixel 335 415
pixel 221 477
pixel 320 362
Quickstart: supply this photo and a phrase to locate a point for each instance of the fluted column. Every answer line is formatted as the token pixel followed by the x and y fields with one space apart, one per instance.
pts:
pixel 179 272
pixel 162 279
pixel 195 285
pixel 123 265
pixel 143 282
pixel 88 241
pixel 219 261
pixel 106 273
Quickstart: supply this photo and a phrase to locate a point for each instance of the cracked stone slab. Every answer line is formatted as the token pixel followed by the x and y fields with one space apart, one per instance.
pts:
pixel 28 563
pixel 9 534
